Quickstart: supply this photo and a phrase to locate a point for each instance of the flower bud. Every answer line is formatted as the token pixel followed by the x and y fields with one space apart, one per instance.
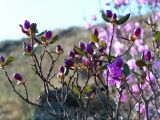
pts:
pixel 59 49
pixel 75 51
pixel 96 32
pixel 71 54
pixel 114 16
pixel 137 32
pixel 109 13
pixel 27 24
pixel 69 63
pixel 61 69
pixel 2 59
pixel 89 49
pixel 147 55
pixel 101 50
pixel 82 45
pixel 27 47
pixel 48 35
pixel 33 29
pixel 100 62
pixel 92 43
pixel 17 76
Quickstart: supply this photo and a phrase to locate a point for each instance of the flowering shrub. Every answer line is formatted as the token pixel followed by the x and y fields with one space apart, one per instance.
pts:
pixel 122 80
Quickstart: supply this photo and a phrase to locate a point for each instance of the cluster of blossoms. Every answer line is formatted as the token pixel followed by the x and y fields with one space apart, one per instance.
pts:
pixel 44 38
pixel 146 81
pixel 119 3
pixel 30 29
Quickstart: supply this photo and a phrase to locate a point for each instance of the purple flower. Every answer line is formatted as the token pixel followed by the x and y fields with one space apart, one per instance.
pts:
pixel 82 45
pixel 112 82
pixel 89 49
pixel 48 35
pixel 118 62
pixel 2 59
pixel 109 13
pixel 114 71
pixel 17 76
pixel 27 24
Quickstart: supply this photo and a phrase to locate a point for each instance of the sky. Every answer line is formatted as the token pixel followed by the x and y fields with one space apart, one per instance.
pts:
pixel 48 14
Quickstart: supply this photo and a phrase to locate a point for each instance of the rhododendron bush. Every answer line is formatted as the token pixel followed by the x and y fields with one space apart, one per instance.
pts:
pixel 122 69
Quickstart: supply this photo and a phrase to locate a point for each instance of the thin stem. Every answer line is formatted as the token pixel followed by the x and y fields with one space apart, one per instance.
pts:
pixel 26 90
pixel 127 50
pixel 110 47
pixel 14 90
pixel 119 103
pixel 52 64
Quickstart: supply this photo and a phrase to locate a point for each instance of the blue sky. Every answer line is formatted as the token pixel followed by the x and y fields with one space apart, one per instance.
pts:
pixel 48 14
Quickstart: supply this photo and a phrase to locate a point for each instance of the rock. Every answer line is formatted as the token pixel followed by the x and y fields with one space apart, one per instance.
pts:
pixel 97 107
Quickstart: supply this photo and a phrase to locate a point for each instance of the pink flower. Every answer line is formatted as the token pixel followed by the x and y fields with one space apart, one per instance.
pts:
pixel 158 15
pixel 150 77
pixel 118 48
pixel 94 17
pixel 112 82
pixel 142 1
pixel 156 66
pixel 142 108
pixel 135 88
pixel 132 64
pixel 128 27
pixel 118 3
pixel 89 25
pixel 124 96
